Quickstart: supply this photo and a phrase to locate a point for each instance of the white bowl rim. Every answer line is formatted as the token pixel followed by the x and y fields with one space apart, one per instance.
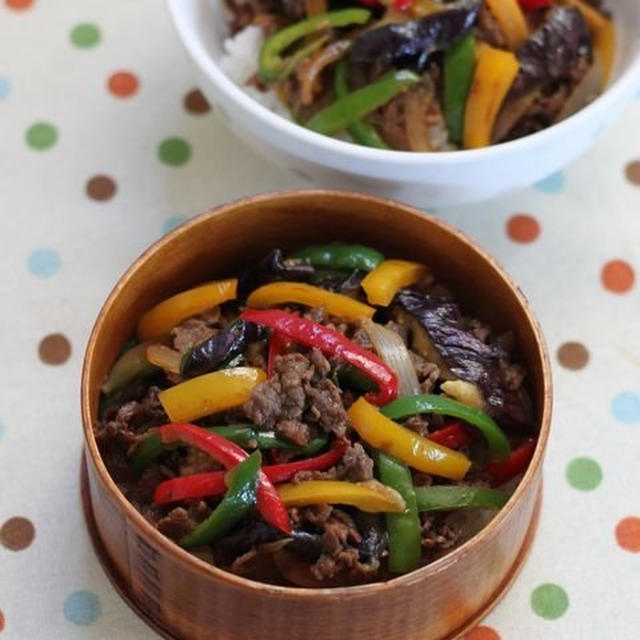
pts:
pixel 628 80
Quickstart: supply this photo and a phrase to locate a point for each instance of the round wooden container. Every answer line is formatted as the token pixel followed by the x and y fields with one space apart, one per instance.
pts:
pixel 185 598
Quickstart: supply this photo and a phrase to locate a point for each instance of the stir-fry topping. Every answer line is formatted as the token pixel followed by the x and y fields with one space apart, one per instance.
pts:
pixel 318 420
pixel 426 75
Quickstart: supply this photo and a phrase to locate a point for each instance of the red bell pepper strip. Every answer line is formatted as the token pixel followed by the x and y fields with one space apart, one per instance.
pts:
pixel 228 454
pixel 210 484
pixel 452 436
pixel 534 5
pixel 277 346
pixel 402 5
pixel 332 343
pixel 504 470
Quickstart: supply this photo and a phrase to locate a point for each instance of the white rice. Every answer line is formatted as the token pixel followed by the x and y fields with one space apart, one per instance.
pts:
pixel 240 63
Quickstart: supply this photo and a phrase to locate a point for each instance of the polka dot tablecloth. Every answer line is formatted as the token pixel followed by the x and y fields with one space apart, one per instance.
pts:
pixel 107 145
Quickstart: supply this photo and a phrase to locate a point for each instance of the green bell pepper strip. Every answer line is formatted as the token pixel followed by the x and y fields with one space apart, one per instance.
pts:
pixel 497 442
pixel 339 256
pixel 404 528
pixel 459 66
pixel 239 500
pixel 360 131
pixel 352 378
pixel 446 497
pixel 273 66
pixel 244 435
pixel 353 107
pixel 130 365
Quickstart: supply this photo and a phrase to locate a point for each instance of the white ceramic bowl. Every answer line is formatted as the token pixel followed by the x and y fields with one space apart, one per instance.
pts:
pixel 422 179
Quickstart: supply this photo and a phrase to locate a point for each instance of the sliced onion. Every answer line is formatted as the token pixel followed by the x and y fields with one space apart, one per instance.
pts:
pixel 585 92
pixel 165 358
pixel 392 349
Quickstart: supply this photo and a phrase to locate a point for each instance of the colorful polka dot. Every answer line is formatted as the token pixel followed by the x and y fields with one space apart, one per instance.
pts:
pixel 123 84
pixel 19 4
pixel 85 35
pixel 553 184
pixel 100 188
pixel 2 621
pixel 82 607
pixel 43 262
pixel 549 601
pixel 5 88
pixel 172 223
pixel 573 355
pixel 584 474
pixel 195 102
pixel 17 533
pixel 632 171
pixel 174 151
pixel 625 407
pixel 523 228
pixel 41 136
pixel 483 633
pixel 628 534
pixel 54 349
pixel 617 276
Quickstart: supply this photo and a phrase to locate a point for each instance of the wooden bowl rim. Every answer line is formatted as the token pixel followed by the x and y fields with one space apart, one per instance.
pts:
pixel 208 570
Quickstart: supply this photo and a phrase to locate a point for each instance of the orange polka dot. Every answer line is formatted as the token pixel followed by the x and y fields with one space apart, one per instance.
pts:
pixel 628 534
pixel 483 633
pixel 18 4
pixel 617 276
pixel 523 228
pixel 123 84
pixel 1 621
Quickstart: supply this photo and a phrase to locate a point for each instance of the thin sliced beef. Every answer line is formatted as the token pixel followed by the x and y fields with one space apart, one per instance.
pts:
pixel 298 391
pixel 355 466
pixel 437 534
pixel 179 522
pixel 191 332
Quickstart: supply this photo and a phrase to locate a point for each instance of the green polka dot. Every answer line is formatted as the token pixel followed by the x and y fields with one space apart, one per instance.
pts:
pixel 85 35
pixel 41 135
pixel 549 601
pixel 174 151
pixel 584 474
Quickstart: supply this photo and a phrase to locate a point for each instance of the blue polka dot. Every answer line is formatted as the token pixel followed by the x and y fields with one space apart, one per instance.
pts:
pixel 172 223
pixel 82 607
pixel 1 429
pixel 5 88
pixel 553 184
pixel 43 262
pixel 626 407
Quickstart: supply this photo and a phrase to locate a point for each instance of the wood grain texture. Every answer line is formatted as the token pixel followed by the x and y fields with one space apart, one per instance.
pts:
pixel 195 601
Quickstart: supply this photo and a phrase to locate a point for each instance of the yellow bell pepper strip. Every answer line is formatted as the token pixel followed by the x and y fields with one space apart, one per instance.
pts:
pixel 418 452
pixel 604 44
pixel 172 311
pixel 495 72
pixel 210 393
pixel 513 24
pixel 594 18
pixel 382 284
pixel 497 441
pixel 370 496
pixel 300 293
